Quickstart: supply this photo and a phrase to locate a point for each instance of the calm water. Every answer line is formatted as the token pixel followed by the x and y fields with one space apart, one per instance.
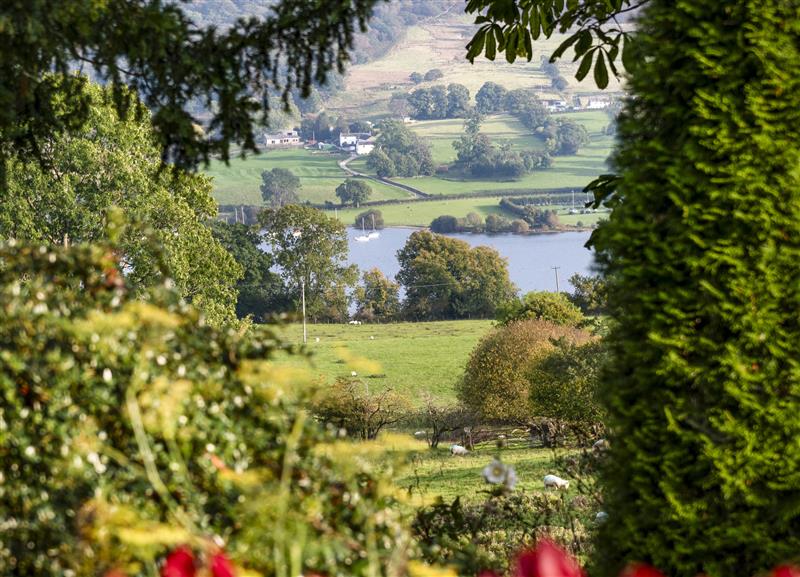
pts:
pixel 530 258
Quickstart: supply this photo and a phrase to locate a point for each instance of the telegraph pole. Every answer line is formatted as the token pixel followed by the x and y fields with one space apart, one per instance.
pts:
pixel 303 298
pixel 555 270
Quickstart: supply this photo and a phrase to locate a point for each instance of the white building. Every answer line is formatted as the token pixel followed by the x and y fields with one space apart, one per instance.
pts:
pixel 364 147
pixel 286 138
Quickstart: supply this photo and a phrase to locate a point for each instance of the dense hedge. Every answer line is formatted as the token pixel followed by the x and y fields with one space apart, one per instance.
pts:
pixel 703 256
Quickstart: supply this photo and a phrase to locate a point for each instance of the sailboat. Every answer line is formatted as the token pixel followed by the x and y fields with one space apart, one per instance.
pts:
pixel 363 237
pixel 374 233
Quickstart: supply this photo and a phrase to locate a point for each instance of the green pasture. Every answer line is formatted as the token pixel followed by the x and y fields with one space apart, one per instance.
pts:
pixel 319 173
pixel 414 358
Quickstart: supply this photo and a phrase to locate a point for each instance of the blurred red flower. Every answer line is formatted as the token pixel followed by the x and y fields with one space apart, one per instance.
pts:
pixel 547 560
pixel 221 566
pixel 179 563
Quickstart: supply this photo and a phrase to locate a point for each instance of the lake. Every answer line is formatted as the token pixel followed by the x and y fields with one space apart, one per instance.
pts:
pixel 530 258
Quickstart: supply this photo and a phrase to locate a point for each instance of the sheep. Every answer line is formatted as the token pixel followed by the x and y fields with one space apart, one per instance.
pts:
pixel 458 450
pixel 600 445
pixel 552 481
pixel 601 517
pixel 420 434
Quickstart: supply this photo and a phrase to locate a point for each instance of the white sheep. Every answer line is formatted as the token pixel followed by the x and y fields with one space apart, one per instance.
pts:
pixel 600 445
pixel 552 481
pixel 458 450
pixel 601 517
pixel 420 434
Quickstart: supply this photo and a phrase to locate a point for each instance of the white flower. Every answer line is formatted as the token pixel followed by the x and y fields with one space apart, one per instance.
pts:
pixel 511 478
pixel 495 472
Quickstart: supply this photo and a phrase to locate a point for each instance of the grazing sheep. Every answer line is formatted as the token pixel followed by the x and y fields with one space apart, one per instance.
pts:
pixel 600 445
pixel 551 481
pixel 458 450
pixel 601 517
pixel 420 434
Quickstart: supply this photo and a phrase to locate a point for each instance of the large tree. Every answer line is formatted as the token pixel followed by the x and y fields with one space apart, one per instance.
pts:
pixel 445 278
pixel 377 299
pixel 353 191
pixel 279 187
pixel 114 164
pixel 311 250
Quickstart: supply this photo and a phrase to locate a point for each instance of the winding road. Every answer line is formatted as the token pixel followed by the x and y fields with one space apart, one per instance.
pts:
pixel 412 192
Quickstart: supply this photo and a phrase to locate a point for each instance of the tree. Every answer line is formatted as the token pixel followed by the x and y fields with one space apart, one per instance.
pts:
pixel 433 74
pixel 707 334
pixel 490 98
pixel 553 307
pixel 111 164
pixel 570 137
pixel 444 224
pixel 440 418
pixel 159 53
pixel 311 249
pixel 261 291
pixel 559 83
pixel 380 162
pixel 378 298
pixel 353 191
pixel 416 77
pixel 591 294
pixel 279 187
pixel 445 278
pixel 457 101
pixel 372 217
pixel 564 386
pixel 495 384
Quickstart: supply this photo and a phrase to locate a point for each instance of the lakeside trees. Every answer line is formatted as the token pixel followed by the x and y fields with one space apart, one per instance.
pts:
pixel 279 187
pixel 445 278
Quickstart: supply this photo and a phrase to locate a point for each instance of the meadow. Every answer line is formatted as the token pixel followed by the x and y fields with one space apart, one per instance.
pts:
pixel 319 173
pixel 413 358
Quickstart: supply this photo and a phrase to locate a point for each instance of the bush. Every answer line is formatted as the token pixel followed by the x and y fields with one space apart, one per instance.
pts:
pixel 370 217
pixel 703 387
pixel 439 418
pixel 564 387
pixel 348 405
pixel 445 224
pixel 542 305
pixel 495 383
pixel 433 74
pixel 132 426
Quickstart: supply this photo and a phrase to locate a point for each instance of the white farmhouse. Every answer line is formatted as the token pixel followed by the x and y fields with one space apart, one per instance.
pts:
pixel 348 140
pixel 286 138
pixel 364 147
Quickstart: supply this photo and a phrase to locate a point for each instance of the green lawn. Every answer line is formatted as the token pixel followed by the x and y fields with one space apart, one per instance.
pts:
pixel 413 357
pixel 318 171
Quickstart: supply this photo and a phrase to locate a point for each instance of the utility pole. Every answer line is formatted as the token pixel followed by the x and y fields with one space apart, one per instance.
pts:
pixel 303 298
pixel 555 269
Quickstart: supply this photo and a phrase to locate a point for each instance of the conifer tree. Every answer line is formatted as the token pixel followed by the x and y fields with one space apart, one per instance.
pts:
pixel 702 253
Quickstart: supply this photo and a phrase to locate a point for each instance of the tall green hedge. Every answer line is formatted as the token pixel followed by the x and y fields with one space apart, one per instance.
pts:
pixel 703 254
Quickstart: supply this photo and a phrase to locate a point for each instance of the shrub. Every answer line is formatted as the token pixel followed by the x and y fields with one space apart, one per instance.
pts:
pixel 439 418
pixel 703 388
pixel 370 217
pixel 444 224
pixel 564 387
pixel 495 383
pixel 349 405
pixel 130 427
pixel 433 74
pixel 542 305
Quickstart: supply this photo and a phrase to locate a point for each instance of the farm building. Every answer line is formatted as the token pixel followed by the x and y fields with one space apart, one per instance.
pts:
pixel 364 147
pixel 286 138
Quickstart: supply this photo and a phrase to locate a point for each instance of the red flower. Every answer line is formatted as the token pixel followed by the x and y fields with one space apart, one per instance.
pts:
pixel 785 571
pixel 547 560
pixel 641 570
pixel 221 566
pixel 179 563
pixel 487 573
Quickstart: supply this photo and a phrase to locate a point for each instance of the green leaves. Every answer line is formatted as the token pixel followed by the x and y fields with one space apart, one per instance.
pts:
pixel 600 71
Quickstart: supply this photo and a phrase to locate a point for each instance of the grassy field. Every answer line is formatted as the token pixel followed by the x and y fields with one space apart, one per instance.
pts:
pixel 319 175
pixel 413 357
pixel 436 473
pixel 422 213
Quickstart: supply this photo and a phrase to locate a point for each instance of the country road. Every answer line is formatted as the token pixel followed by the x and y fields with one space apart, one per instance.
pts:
pixel 412 192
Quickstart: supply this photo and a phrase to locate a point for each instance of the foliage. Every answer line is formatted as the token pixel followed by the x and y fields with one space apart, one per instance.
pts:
pixel 437 102
pixel 377 298
pixel 262 293
pixel 486 537
pixel 110 164
pixel 438 418
pixel 445 224
pixel 703 388
pixel 594 29
pixel 373 217
pixel 536 218
pixel 564 386
pixel 157 52
pixel 348 405
pixel 543 305
pixel 319 128
pixel 416 77
pixel 433 74
pixel 311 249
pixel 446 278
pixel 590 295
pixel 495 383
pixel 490 98
pixel 353 191
pixel 400 152
pixel 279 187
pixel 130 427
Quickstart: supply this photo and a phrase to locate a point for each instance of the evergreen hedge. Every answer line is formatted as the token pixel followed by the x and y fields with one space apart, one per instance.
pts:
pixel 703 254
